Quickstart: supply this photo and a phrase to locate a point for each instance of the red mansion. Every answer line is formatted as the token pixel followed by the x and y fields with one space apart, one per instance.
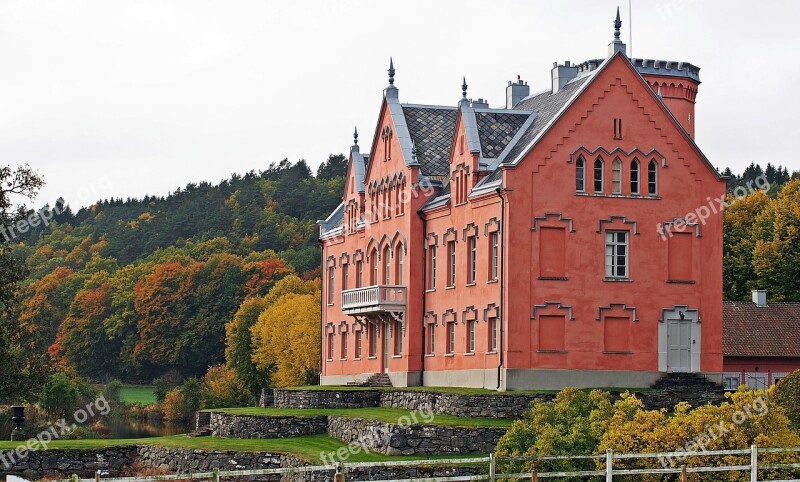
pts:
pixel 549 242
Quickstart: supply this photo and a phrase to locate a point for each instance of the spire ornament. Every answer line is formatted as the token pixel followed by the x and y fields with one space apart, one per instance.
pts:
pixel 617 26
pixel 391 71
pixel 464 88
pixel 355 136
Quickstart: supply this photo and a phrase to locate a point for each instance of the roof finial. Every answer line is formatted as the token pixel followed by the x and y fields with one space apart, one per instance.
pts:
pixel 617 26
pixel 659 92
pixel 391 71
pixel 355 136
pixel 464 87
pixel 414 152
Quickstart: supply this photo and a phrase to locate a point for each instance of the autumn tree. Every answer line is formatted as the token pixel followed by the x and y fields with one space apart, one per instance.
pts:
pixel 287 336
pixel 776 255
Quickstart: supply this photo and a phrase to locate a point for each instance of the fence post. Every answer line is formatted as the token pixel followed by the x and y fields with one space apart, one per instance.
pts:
pixel 534 477
pixel 753 463
pixel 339 475
pixel 684 475
pixel 492 468
pixel 74 477
pixel 609 465
pixel 216 474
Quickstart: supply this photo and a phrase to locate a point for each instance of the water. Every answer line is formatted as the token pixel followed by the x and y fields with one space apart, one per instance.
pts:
pixel 122 428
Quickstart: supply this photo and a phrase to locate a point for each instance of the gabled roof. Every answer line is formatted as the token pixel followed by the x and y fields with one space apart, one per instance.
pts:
pixel 333 224
pixel 496 129
pixel 752 331
pixel 432 129
pixel 359 167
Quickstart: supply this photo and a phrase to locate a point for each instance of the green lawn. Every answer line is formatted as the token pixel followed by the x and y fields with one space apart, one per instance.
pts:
pixel 388 415
pixel 137 394
pixel 307 447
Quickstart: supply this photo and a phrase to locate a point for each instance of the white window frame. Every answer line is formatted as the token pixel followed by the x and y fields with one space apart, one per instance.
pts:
pixel 616 176
pixel 612 254
pixel 494 331
pixel 472 260
pixel 494 253
pixel 471 336
pixel 432 274
pixel 451 338
pixel 331 284
pixel 636 167
pixel 431 338
pixel 602 175
pixel 451 264
pixel 652 186
pixel 580 175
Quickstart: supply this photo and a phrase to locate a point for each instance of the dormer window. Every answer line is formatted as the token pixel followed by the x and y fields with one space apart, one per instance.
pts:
pixel 598 175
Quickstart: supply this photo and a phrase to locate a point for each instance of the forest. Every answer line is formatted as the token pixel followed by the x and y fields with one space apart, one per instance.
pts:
pixel 228 275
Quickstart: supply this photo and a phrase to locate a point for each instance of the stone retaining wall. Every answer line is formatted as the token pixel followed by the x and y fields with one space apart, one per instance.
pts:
pixel 392 439
pixel 326 398
pixel 245 426
pixel 485 406
pixel 62 463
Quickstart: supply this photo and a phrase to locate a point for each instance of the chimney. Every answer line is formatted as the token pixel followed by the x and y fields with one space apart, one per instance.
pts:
pixel 515 92
pixel 562 74
pixel 760 298
pixel 480 104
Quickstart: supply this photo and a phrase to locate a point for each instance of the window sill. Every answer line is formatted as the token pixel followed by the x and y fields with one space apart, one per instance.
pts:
pixel 493 352
pixel 450 288
pixel 681 282
pixel 491 281
pixel 470 284
pixel 559 352
pixel 330 304
pixel 553 278
pixel 432 290
pixel 618 280
pixel 430 355
pixel 619 196
pixel 373 357
pixel 329 360
pixel 617 353
pixel 469 353
pixel 397 356
pixel 358 358
pixel 449 354
pixel 342 359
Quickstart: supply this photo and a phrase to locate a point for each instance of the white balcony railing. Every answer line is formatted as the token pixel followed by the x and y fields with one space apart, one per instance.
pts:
pixel 370 299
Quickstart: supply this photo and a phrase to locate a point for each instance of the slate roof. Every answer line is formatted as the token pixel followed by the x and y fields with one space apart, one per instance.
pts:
pixel 496 129
pixel 432 129
pixel 546 105
pixel 770 331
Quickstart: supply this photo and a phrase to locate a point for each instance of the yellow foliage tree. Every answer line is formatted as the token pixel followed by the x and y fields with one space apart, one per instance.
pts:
pixel 287 336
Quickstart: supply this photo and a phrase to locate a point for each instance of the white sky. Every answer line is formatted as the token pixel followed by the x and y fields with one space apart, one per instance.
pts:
pixel 123 98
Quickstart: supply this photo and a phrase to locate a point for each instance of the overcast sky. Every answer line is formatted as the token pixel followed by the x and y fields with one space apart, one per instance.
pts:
pixel 125 98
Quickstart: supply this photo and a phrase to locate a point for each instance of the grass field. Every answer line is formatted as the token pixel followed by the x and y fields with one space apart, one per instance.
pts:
pixel 388 415
pixel 307 447
pixel 137 394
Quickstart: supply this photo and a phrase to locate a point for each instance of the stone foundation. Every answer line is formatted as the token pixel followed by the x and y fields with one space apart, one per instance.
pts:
pixel 326 398
pixel 244 426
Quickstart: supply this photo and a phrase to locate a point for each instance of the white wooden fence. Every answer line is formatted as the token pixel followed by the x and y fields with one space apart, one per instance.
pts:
pixel 608 472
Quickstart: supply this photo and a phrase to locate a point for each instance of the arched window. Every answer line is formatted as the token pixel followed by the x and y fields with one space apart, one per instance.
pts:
pixel 580 175
pixel 598 175
pixel 616 176
pixel 399 261
pixel 652 178
pixel 387 264
pixel 635 176
pixel 373 279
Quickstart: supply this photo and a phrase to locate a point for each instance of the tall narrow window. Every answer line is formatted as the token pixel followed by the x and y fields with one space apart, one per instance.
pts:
pixel 387 265
pixel 373 340
pixel 493 333
pixel 398 338
pixel 399 261
pixel 472 246
pixel 330 346
pixel 451 338
pixel 616 176
pixel 359 274
pixel 617 254
pixel 343 354
pixel 471 336
pixel 652 178
pixel 374 278
pixel 331 279
pixel 345 274
pixel 635 177
pixel 432 267
pixel 359 342
pixel 580 175
pixel 598 175
pixel 451 263
pixel 494 255
pixel 431 338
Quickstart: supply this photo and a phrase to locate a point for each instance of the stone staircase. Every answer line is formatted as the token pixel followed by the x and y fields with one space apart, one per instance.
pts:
pixel 376 380
pixel 693 388
pixel 202 425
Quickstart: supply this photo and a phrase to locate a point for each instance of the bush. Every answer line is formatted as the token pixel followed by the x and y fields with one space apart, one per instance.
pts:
pixel 181 403
pixel 112 390
pixel 60 396
pixel 222 388
pixel 169 380
pixel 787 395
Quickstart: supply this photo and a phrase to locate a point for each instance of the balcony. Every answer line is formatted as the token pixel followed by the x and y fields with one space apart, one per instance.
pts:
pixel 374 299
